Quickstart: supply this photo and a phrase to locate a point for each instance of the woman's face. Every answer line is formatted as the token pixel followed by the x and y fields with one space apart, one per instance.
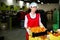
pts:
pixel 33 9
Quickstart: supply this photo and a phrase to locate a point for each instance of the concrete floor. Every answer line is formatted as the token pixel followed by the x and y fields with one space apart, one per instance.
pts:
pixel 16 34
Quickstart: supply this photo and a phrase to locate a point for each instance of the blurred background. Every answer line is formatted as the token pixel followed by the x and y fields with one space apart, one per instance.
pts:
pixel 12 14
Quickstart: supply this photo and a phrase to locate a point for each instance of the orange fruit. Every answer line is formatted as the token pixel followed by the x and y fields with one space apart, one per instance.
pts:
pixel 37 29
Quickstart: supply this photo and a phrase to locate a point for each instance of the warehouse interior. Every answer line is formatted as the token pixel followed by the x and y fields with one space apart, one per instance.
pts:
pixel 12 16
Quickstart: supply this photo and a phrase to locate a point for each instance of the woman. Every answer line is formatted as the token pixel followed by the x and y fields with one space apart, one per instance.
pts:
pixel 32 19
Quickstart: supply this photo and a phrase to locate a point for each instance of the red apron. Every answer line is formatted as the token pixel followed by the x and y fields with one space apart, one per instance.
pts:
pixel 32 23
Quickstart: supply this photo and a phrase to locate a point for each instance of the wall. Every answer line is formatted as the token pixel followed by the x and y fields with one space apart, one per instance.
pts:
pixel 47 7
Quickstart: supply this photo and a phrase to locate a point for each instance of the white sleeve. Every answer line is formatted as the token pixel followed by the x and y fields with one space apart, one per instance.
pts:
pixel 25 24
pixel 40 23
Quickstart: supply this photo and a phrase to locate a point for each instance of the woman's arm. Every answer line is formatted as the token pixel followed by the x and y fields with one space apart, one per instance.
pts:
pixel 40 23
pixel 25 25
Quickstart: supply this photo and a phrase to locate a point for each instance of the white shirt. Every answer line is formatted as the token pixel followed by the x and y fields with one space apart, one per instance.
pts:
pixel 32 16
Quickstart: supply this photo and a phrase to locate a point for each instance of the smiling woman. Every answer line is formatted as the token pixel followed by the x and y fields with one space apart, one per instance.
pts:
pixel 32 20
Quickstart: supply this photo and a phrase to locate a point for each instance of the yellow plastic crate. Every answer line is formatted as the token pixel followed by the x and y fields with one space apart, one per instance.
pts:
pixel 54 37
pixel 35 38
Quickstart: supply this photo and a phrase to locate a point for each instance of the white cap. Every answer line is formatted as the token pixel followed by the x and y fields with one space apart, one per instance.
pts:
pixel 33 4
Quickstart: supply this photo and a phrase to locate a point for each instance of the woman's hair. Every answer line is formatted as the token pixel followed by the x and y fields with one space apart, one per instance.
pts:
pixel 29 10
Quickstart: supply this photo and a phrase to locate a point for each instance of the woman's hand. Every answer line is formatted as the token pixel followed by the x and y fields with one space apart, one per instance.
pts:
pixel 43 29
pixel 29 31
